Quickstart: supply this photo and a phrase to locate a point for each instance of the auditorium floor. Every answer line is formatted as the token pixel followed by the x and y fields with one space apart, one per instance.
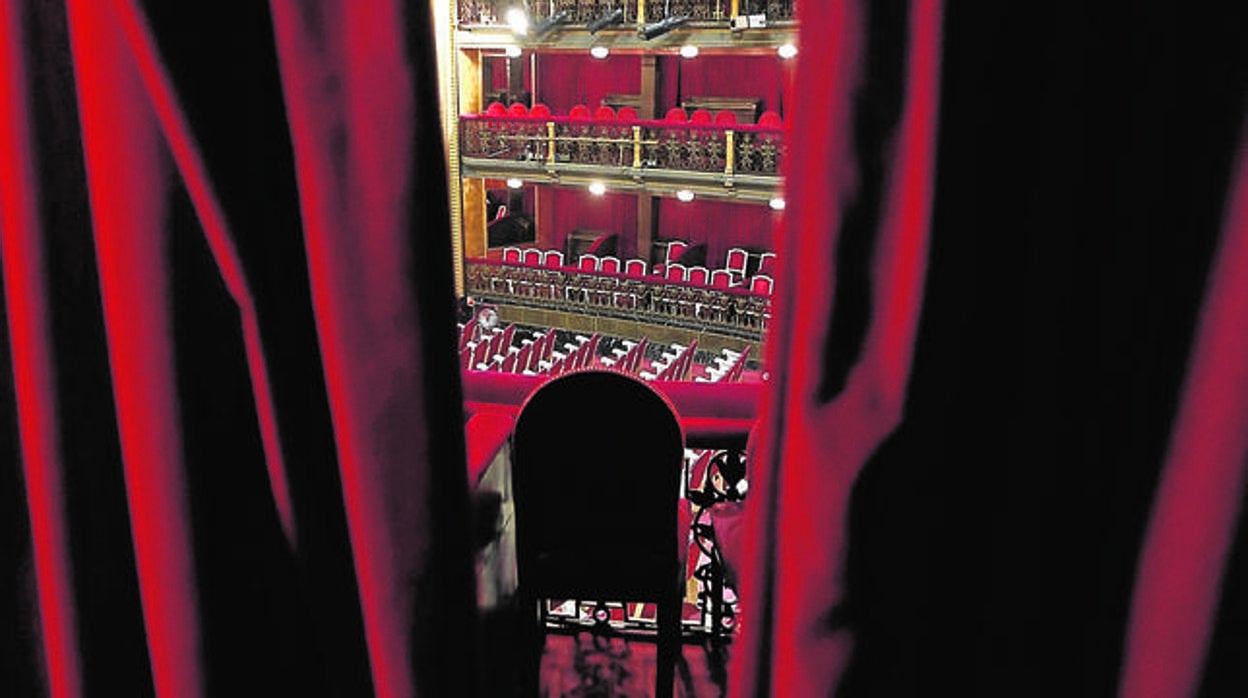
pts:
pixel 584 666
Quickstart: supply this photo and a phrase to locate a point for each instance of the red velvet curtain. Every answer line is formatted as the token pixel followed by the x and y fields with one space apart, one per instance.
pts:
pixel 228 295
pixel 1002 451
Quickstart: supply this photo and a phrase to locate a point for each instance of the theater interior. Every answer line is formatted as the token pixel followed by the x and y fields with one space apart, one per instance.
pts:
pixel 622 348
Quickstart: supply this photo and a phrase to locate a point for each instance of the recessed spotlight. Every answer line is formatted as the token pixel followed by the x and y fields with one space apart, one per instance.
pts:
pixel 515 183
pixel 787 51
pixel 597 188
pixel 688 51
pixel 599 52
pixel 776 204
pixel 518 21
pixel 512 51
pixel 685 195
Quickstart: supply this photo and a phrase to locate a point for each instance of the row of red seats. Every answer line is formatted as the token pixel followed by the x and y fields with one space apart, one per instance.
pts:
pixel 760 283
pixel 581 112
pixel 672 366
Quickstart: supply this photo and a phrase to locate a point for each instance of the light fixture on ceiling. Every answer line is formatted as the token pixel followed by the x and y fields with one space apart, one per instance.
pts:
pixel 599 52
pixel 515 183
pixel 776 204
pixel 615 16
pixel 685 195
pixel 688 51
pixel 663 26
pixel 787 51
pixel 544 26
pixel 518 21
pixel 597 188
pixel 512 51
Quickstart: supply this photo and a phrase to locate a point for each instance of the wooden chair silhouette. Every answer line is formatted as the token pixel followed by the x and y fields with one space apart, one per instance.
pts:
pixel 596 468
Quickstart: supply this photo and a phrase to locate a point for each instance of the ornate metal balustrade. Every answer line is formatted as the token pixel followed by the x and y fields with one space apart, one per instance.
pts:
pixel 650 300
pixel 656 145
pixel 490 12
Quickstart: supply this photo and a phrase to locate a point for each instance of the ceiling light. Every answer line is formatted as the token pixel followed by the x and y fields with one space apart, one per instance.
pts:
pixel 599 52
pixel 787 51
pixel 688 51
pixel 776 204
pixel 685 195
pixel 515 183
pixel 512 51
pixel 518 21
pixel 597 188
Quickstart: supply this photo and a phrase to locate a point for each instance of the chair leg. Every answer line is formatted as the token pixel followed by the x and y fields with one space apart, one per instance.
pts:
pixel 668 646
pixel 530 639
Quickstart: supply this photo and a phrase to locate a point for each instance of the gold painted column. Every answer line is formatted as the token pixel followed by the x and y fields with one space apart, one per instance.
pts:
pixel 468 222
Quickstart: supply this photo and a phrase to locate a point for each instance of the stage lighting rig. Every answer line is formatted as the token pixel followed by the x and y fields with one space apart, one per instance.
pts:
pixel 544 26
pixel 615 16
pixel 663 26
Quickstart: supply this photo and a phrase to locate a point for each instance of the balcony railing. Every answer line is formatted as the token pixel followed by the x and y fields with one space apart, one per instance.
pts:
pixel 679 146
pixel 490 12
pixel 733 312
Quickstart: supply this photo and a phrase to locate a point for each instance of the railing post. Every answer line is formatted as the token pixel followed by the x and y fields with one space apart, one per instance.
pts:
pixel 636 147
pixel 730 154
pixel 550 142
pixel 641 12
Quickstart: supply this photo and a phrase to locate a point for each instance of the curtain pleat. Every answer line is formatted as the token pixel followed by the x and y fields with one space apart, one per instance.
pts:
pixel 855 211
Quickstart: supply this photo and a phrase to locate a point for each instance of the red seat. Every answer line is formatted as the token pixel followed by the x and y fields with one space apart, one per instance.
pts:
pixel 767 264
pixel 552 259
pixel 540 111
pixel 627 114
pixel 511 254
pixel 761 284
pixel 726 118
pixel 532 257
pixel 604 113
pixel 676 115
pixel 635 268
pixel 701 116
pixel 610 265
pixel 737 259
pixel 699 275
pixel 770 119
pixel 587 262
pixel 496 109
pixel 517 109
pixel 580 112
pixel 721 278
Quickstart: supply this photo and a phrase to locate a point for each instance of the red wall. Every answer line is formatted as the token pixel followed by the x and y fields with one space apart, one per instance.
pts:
pixel 565 79
pixel 720 224
pixel 562 210
pixel 764 77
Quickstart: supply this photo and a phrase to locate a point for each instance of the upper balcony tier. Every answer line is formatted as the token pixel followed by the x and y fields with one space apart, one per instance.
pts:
pixel 718 159
pixel 484 24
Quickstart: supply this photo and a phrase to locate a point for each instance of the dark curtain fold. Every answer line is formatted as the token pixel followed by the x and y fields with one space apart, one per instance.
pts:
pixel 225 491
pixel 1002 448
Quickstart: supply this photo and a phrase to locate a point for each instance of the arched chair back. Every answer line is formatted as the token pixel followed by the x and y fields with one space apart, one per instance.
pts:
pixel 627 114
pixel 604 113
pixel 701 116
pixel 761 284
pixel 770 119
pixel 580 112
pixel 532 257
pixel 540 111
pixel 676 115
pixel 596 505
pixel 496 109
pixel 517 109
pixel 610 265
pixel 726 118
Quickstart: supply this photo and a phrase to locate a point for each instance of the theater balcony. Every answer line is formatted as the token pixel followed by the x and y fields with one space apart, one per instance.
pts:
pixel 712 155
